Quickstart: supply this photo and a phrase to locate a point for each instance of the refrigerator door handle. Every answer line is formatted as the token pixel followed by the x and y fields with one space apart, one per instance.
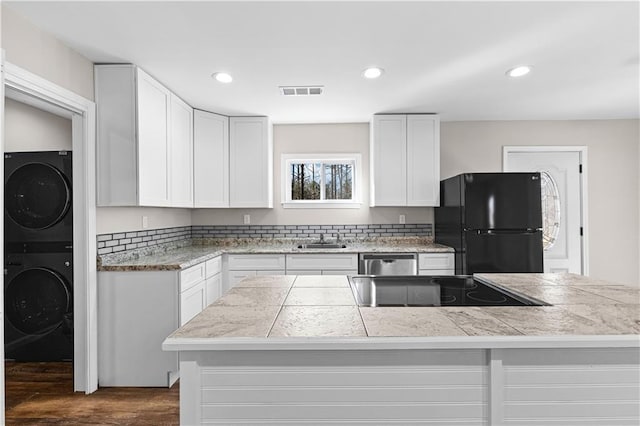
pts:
pixel 503 231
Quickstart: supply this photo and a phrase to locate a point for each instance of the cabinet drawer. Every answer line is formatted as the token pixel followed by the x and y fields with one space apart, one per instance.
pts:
pixel 436 272
pixel 322 261
pixel 213 266
pixel 436 261
pixel 342 272
pixel 239 262
pixel 191 276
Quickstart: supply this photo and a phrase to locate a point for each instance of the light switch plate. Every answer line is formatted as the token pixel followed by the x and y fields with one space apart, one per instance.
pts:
pixel 247 219
pixel 402 219
pixel 145 222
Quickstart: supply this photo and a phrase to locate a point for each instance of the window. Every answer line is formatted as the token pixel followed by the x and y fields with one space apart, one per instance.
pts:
pixel 550 210
pixel 320 181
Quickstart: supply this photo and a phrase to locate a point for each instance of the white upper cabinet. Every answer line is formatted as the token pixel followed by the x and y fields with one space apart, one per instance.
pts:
pixel 250 162
pixel 144 140
pixel 388 153
pixel 211 159
pixel 181 158
pixel 405 160
pixel 423 160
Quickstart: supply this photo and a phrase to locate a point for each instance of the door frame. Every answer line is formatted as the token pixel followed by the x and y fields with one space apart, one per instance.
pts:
pixel 27 87
pixel 582 152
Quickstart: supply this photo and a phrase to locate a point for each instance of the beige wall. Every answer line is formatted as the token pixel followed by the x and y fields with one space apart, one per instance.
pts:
pixel 613 177
pixel 30 48
pixel 316 138
pixel 121 219
pixel 32 129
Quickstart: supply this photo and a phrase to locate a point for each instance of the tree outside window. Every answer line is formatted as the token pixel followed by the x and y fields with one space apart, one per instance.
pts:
pixel 320 180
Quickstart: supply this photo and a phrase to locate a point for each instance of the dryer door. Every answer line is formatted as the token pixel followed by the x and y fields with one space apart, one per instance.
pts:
pixel 36 301
pixel 37 196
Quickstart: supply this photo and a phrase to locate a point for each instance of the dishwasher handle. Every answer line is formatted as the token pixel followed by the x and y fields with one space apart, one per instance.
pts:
pixel 388 264
pixel 389 257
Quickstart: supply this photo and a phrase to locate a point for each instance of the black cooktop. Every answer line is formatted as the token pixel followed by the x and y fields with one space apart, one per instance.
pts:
pixel 419 290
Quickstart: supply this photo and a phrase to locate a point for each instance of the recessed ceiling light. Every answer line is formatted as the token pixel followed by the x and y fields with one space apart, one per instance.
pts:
pixel 222 77
pixel 519 71
pixel 373 72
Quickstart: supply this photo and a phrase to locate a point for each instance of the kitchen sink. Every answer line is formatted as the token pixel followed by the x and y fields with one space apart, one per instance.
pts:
pixel 420 290
pixel 321 246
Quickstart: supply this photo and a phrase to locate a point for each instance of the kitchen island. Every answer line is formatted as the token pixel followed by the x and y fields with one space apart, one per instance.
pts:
pixel 298 350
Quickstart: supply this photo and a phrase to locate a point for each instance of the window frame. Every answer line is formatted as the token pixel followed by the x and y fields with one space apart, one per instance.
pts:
pixel 343 158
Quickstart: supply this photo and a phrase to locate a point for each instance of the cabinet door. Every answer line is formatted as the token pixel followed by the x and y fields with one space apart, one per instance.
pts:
pixel 423 160
pixel 234 277
pixel 192 302
pixel 153 141
pixel 321 261
pixel 211 160
pixel 181 159
pixel 250 162
pixel 213 289
pixel 254 262
pixel 388 160
pixel 436 261
pixel 116 146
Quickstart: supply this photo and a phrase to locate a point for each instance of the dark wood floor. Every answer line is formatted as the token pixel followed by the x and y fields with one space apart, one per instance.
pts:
pixel 42 394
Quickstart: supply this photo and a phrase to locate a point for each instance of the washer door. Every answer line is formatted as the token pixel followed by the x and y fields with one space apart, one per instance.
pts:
pixel 36 301
pixel 37 196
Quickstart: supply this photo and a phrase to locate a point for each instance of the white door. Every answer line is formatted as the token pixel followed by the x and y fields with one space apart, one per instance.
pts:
pixel 561 203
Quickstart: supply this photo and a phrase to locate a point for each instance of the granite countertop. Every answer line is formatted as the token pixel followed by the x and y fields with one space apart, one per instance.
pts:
pixel 275 307
pixel 179 256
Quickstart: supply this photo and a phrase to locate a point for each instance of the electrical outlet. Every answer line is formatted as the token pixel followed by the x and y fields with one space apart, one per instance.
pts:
pixel 402 219
pixel 247 219
pixel 145 222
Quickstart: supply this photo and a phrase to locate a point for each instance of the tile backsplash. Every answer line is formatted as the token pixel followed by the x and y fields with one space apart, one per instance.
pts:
pixel 121 241
pixel 118 242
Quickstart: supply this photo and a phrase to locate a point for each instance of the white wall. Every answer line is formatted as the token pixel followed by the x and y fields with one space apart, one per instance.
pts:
pixel 316 138
pixel 32 129
pixel 29 47
pixel 613 177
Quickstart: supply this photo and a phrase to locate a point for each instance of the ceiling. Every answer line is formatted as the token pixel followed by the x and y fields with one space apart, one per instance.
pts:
pixel 441 57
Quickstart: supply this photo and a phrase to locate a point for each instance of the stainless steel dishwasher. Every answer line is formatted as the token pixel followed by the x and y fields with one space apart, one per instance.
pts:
pixel 388 264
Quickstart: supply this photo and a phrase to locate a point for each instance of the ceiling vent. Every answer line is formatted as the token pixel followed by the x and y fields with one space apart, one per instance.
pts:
pixel 301 90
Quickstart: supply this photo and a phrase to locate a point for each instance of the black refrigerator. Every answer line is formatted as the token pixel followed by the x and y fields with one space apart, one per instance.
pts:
pixel 492 220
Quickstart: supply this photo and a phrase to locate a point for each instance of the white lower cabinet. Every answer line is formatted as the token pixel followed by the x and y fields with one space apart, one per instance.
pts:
pixel 192 302
pixel 240 266
pixel 436 264
pixel 322 264
pixel 213 280
pixel 137 310
pixel 213 289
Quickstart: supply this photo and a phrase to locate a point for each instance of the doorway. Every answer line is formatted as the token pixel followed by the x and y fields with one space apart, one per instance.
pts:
pixel 563 182
pixel 28 88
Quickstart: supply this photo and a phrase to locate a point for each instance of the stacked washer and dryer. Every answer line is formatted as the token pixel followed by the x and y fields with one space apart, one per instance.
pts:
pixel 38 285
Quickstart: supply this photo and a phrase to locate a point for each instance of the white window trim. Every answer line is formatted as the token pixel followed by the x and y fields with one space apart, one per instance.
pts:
pixel 288 203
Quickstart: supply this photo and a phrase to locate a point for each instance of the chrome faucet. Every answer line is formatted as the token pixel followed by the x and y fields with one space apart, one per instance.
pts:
pixel 321 238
